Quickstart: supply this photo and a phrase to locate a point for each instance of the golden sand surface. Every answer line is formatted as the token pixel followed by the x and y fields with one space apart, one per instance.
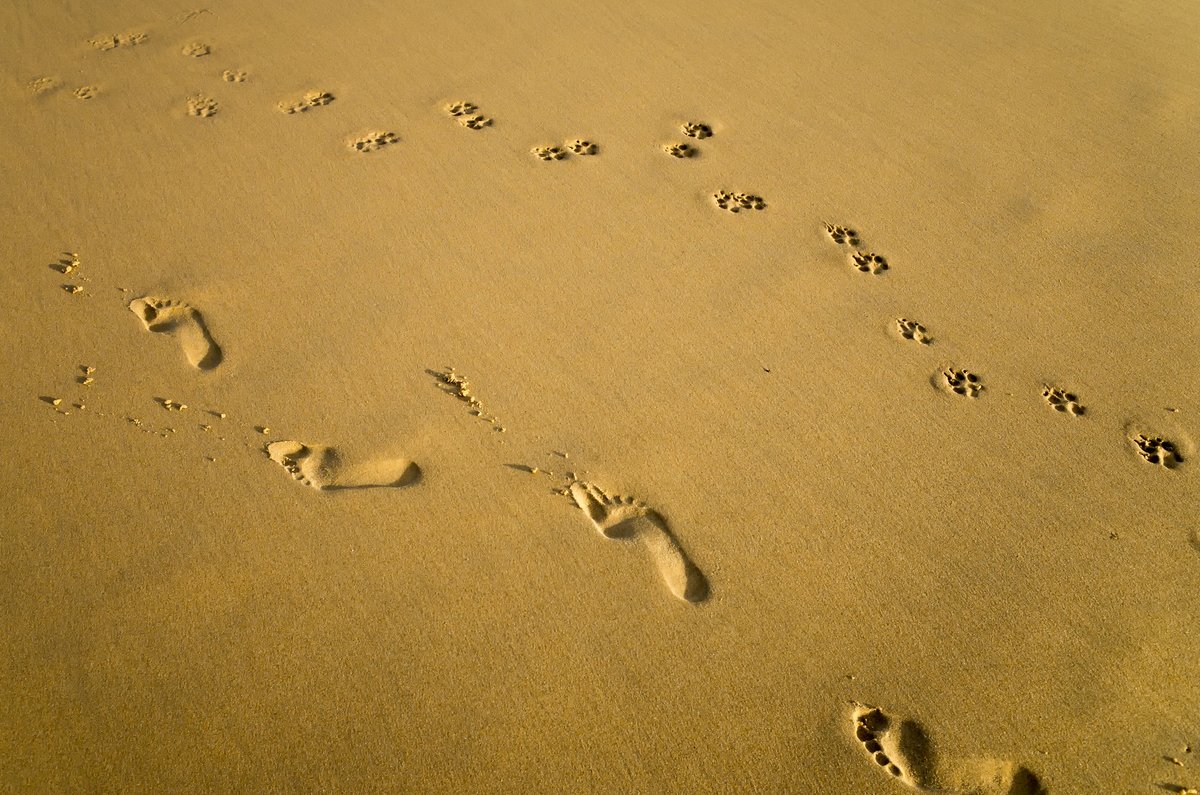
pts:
pixel 670 397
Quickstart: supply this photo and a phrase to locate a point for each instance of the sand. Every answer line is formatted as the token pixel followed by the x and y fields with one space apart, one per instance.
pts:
pixel 394 401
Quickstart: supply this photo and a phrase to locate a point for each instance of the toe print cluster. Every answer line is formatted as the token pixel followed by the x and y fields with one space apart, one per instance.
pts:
pixel 962 382
pixel 467 114
pixel 869 724
pixel 289 456
pixel 1157 450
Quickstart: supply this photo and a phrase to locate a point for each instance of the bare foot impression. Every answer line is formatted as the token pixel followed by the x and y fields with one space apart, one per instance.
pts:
pixel 324 468
pixel 902 750
pixel 626 518
pixel 179 320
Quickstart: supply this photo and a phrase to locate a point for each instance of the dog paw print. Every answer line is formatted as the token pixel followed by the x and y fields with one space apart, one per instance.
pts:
pixel 201 106
pixel 104 43
pixel 962 382
pixel 737 201
pixel 912 330
pixel 1157 450
pixel 842 235
pixel 196 49
pixel 681 150
pixel 315 99
pixel 1061 400
pixel 310 100
pixel 85 92
pixel 43 85
pixel 461 108
pixel 697 129
pixel 584 147
pixel 869 263
pixel 475 122
pixel 374 141
pixel 233 76
pixel 549 153
pixel 467 115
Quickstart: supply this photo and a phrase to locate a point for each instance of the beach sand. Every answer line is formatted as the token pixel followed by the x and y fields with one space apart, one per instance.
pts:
pixel 512 397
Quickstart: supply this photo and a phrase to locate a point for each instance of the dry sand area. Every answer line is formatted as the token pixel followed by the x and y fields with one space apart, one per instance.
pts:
pixel 671 397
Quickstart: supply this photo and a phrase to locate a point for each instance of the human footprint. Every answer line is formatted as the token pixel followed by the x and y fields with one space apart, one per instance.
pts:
pixel 183 321
pixel 324 468
pixel 902 749
pixel 626 518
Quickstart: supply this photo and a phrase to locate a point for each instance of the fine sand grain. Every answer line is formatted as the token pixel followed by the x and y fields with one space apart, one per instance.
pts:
pixel 886 313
